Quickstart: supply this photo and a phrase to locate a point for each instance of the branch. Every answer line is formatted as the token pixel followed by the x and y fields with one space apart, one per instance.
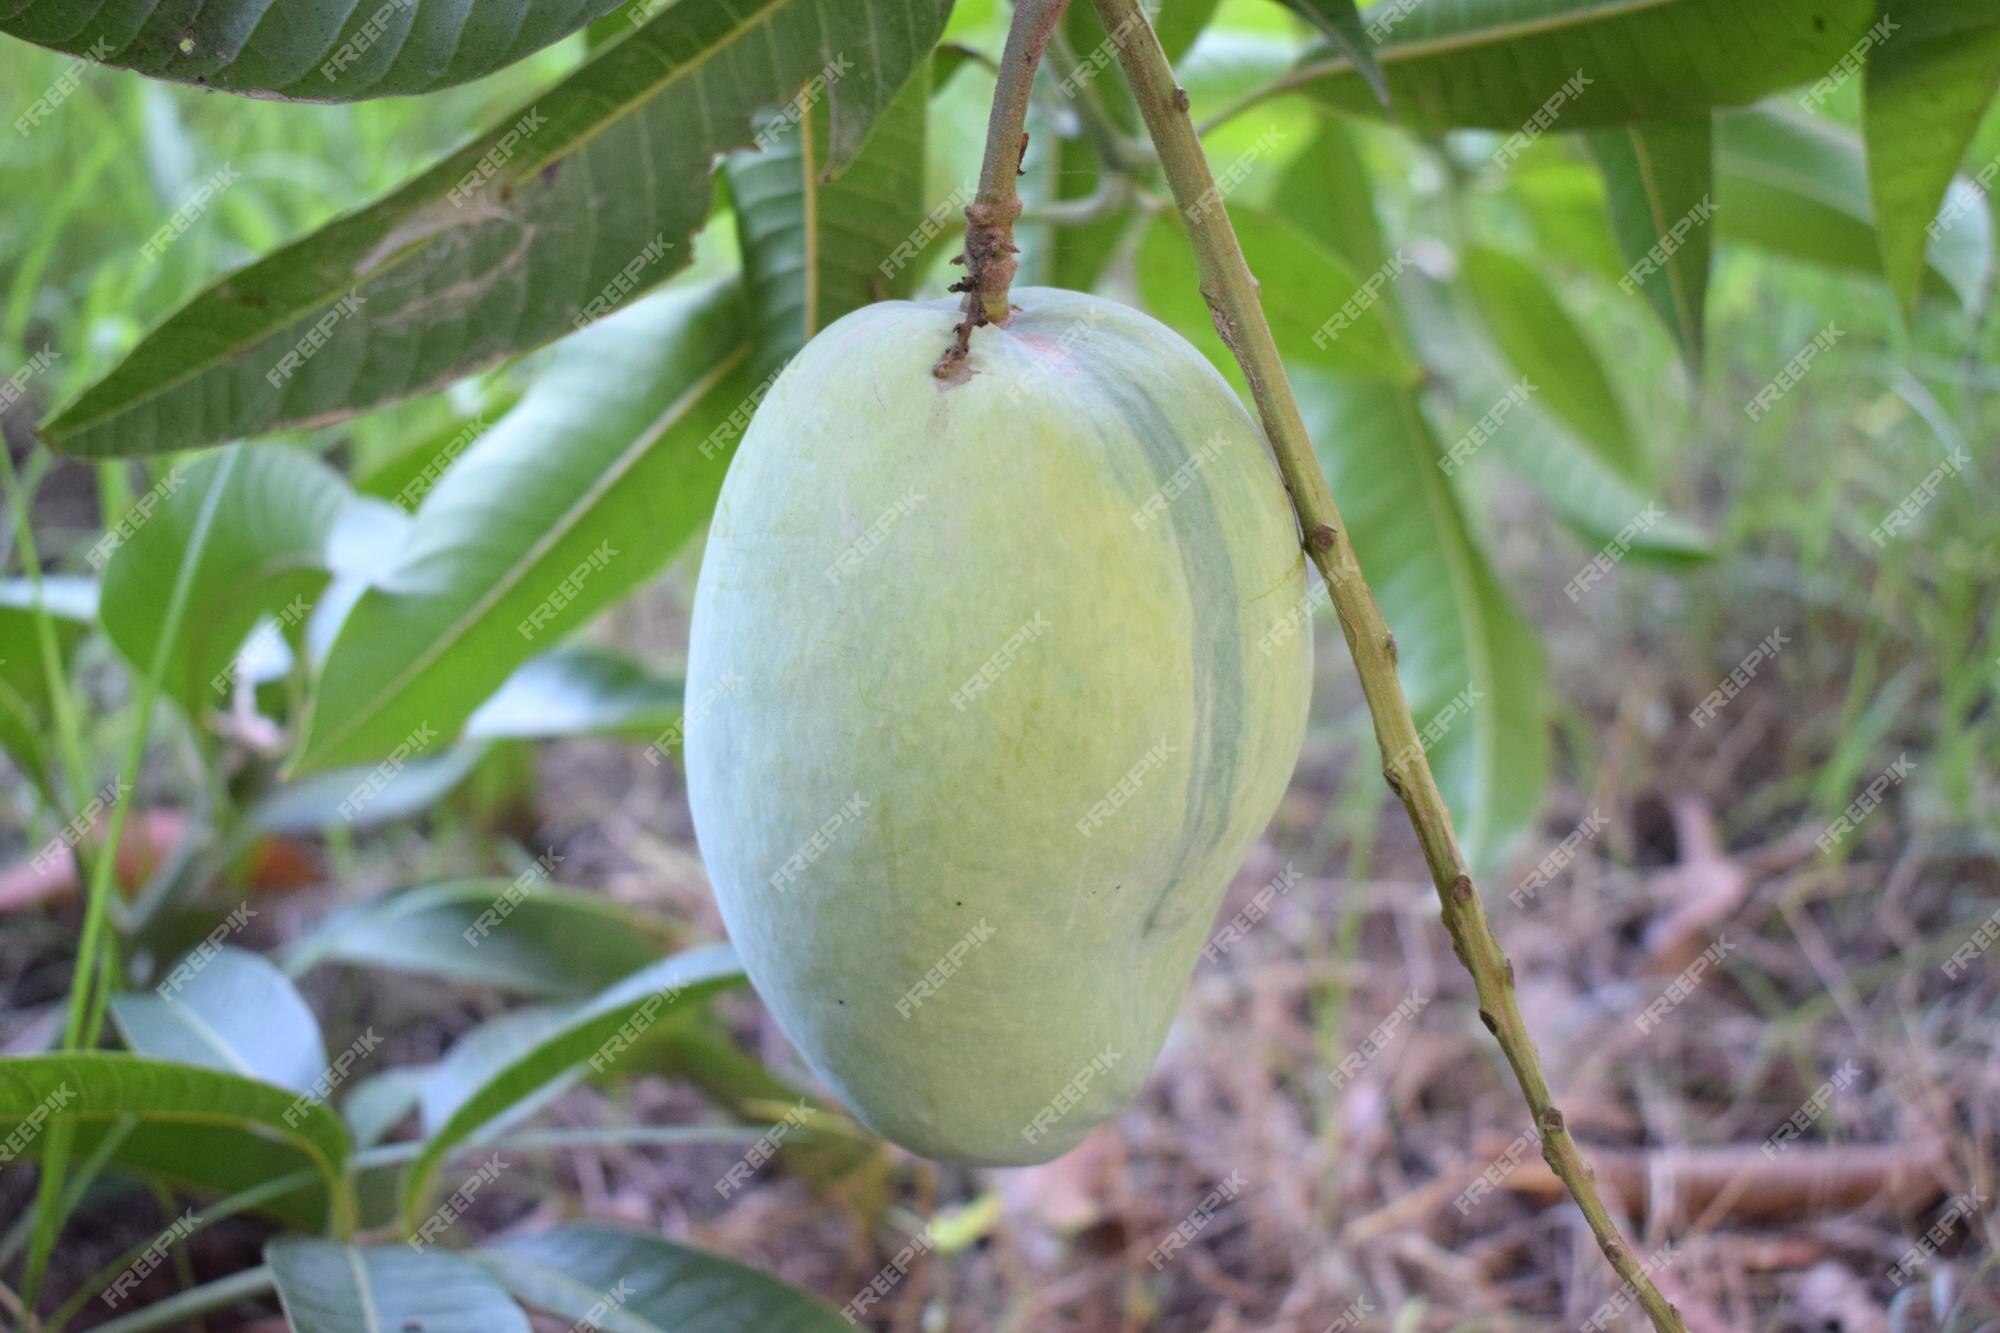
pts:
pixel 1231 293
pixel 989 219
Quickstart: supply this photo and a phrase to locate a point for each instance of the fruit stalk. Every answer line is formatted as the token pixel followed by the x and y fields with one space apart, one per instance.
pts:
pixel 1231 293
pixel 989 219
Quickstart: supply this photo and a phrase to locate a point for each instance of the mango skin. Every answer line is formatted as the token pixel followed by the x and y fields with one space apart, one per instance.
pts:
pixel 989 692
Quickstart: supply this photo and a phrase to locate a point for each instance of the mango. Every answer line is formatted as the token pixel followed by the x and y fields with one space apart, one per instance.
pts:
pixel 991 684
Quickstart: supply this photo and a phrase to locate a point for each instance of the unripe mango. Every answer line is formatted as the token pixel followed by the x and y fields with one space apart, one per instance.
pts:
pixel 991 684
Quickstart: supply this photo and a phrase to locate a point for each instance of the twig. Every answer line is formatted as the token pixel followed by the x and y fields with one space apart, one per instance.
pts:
pixel 1231 293
pixel 989 219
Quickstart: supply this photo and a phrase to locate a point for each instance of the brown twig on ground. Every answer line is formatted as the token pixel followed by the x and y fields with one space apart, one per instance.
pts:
pixel 989 219
pixel 1231 293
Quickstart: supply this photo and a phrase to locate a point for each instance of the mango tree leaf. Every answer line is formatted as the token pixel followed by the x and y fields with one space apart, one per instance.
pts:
pixel 578 690
pixel 471 1091
pixel 1496 64
pixel 1326 191
pixel 600 1276
pixel 1470 665
pixel 263 550
pixel 1322 312
pixel 361 797
pixel 24 681
pixel 1340 23
pixel 1798 187
pixel 1536 334
pixel 95 1088
pixel 1658 176
pixel 231 1010
pixel 1925 87
pixel 328 1287
pixel 301 49
pixel 1179 22
pixel 815 249
pixel 594 480
pixel 528 937
pixel 556 215
pixel 380 1101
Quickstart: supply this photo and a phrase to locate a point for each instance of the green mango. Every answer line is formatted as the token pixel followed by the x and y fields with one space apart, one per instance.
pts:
pixel 991 684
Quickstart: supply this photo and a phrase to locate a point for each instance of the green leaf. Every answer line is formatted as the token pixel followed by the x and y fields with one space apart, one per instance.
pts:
pixel 1499 64
pixel 264 554
pixel 607 1277
pixel 229 1010
pixel 304 49
pixel 1536 334
pixel 25 719
pixel 327 1287
pixel 815 249
pixel 1179 22
pixel 520 542
pixel 1925 87
pixel 1470 665
pixel 1340 23
pixel 361 797
pixel 556 214
pixel 1326 191
pixel 1658 177
pixel 1321 311
pixel 473 1088
pixel 380 1101
pixel 516 935
pixel 577 690
pixel 1798 187
pixel 95 1088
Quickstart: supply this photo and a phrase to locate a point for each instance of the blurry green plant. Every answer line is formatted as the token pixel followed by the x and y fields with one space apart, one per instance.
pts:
pixel 338 623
